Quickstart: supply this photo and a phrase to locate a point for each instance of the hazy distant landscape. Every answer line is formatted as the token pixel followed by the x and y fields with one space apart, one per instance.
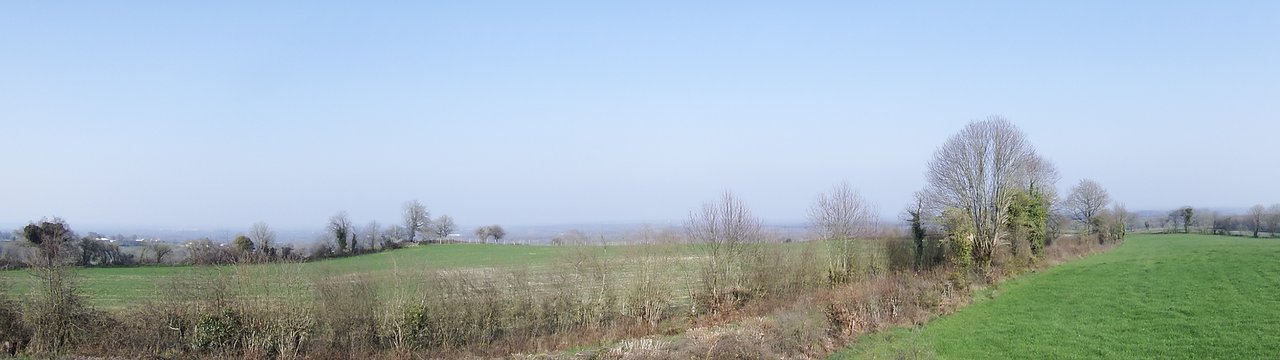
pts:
pixel 657 180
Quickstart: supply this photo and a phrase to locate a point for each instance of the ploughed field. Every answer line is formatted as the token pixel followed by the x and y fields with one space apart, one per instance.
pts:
pixel 1155 296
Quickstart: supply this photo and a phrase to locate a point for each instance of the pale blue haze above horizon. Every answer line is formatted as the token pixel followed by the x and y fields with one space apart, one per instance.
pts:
pixel 227 113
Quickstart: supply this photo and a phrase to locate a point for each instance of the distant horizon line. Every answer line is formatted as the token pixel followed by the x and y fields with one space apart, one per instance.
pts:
pixel 14 225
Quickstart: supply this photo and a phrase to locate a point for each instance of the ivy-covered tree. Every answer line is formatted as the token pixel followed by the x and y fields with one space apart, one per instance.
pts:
pixel 960 236
pixel 53 238
pixel 1028 221
pixel 340 227
pixel 243 243
pixel 915 217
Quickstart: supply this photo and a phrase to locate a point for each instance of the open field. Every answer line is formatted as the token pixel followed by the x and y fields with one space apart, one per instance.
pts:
pixel 461 300
pixel 114 287
pixel 1156 296
pixel 401 270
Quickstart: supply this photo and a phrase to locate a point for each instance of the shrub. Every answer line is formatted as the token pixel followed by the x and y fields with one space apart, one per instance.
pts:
pixel 218 331
pixel 900 254
pixel 322 249
pixel 56 314
pixel 347 312
pixel 13 334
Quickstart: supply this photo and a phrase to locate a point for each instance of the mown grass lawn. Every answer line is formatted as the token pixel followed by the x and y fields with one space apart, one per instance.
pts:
pixel 1156 296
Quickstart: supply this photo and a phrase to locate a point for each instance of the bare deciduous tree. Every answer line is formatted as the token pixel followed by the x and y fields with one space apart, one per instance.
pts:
pixel 838 217
pixel 416 219
pixel 1054 226
pixel 372 232
pixel 1042 178
pixel 1273 220
pixel 340 228
pixel 1207 219
pixel 160 250
pixel 393 234
pixel 1086 201
pixel 573 237
pixel 975 170
pixel 497 232
pixel 1174 219
pixel 263 236
pixel 1115 224
pixel 443 226
pixel 1257 215
pixel 723 229
pixel 723 226
pixel 841 214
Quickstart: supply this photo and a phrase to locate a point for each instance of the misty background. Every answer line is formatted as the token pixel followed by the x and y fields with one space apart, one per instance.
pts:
pixel 538 114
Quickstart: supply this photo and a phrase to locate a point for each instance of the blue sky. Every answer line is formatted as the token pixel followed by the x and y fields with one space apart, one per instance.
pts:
pixel 224 113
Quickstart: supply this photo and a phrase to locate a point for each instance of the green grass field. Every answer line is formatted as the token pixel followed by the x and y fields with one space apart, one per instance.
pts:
pixel 395 272
pixel 1156 296
pixel 400 270
pixel 114 287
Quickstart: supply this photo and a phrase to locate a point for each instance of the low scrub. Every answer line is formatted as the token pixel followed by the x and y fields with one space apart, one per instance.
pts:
pixel 778 303
pixel 816 325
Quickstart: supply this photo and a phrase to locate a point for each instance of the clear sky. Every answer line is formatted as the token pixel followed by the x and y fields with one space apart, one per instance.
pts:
pixel 536 112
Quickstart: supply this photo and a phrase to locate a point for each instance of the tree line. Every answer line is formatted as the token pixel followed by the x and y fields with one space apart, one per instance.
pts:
pixel 1256 221
pixel 54 242
pixel 990 208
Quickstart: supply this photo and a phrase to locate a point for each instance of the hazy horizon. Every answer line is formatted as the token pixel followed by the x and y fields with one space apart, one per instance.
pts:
pixel 222 115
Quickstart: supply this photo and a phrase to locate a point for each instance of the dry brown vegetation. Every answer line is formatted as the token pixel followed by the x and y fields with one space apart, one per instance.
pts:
pixel 816 324
pixel 781 305
pixel 727 289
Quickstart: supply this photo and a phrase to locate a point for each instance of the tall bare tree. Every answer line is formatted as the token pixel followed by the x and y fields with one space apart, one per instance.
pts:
pixel 497 232
pixel 975 170
pixel 263 236
pixel 394 233
pixel 1042 178
pixel 372 232
pixel 340 228
pixel 160 250
pixel 1257 216
pixel 1086 201
pixel 840 214
pixel 482 234
pixel 723 229
pixel 1273 219
pixel 838 217
pixel 1206 219
pixel 443 226
pixel 416 219
pixel 1119 223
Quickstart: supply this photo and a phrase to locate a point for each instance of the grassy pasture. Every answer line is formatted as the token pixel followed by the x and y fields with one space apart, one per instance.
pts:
pixel 1156 296
pixel 399 270
pixel 115 287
